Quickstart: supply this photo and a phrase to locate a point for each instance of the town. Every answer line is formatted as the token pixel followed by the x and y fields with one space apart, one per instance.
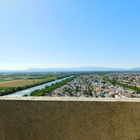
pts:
pixel 72 84
pixel 94 85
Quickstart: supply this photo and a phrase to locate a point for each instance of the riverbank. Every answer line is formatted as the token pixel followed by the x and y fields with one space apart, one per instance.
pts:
pixel 27 91
pixel 50 88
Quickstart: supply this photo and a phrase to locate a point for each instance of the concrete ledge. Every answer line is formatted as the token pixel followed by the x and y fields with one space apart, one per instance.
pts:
pixel 47 118
pixel 46 98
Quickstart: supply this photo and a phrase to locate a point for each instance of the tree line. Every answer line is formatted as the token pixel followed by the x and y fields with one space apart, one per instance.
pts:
pixel 10 90
pixel 121 84
pixel 48 89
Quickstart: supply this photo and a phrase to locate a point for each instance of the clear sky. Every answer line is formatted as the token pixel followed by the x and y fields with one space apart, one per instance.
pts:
pixel 69 33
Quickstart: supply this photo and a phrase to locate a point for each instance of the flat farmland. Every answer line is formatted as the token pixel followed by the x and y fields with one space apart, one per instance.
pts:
pixel 20 83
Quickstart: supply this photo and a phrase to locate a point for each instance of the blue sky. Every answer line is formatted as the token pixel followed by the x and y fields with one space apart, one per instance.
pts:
pixel 69 33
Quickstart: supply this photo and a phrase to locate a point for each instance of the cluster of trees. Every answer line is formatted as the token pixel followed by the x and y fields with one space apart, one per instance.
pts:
pixel 48 77
pixel 47 90
pixel 10 90
pixel 121 84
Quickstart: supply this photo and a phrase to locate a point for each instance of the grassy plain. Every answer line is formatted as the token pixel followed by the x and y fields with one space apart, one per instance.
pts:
pixel 20 83
pixel 13 82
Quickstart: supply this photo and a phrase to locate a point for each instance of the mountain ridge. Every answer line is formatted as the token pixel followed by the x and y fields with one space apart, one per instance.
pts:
pixel 83 68
pixel 73 69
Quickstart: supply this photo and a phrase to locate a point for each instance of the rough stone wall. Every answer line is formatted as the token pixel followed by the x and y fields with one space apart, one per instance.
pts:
pixel 69 120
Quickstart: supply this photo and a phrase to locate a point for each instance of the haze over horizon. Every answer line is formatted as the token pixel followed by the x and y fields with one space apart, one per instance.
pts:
pixel 56 66
pixel 72 68
pixel 73 33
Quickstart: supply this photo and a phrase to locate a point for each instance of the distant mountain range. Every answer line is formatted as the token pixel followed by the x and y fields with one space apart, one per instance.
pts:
pixel 136 69
pixel 75 69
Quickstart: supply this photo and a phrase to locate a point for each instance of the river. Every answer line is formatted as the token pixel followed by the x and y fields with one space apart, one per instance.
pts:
pixel 29 90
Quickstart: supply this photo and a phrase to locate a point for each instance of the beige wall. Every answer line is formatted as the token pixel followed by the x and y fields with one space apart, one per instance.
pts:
pixel 64 119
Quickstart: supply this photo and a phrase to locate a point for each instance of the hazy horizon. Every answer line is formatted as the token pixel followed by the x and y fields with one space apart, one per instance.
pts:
pixel 12 66
pixel 33 66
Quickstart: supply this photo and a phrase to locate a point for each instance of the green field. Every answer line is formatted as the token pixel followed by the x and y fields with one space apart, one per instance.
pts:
pixel 10 83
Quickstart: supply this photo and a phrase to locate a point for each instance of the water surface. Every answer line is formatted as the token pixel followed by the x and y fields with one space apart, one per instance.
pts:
pixel 29 90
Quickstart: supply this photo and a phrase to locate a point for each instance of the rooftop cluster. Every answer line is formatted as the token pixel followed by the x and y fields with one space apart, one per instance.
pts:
pixel 93 85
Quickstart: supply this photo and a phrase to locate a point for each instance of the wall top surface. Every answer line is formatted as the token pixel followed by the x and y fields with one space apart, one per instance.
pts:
pixel 45 98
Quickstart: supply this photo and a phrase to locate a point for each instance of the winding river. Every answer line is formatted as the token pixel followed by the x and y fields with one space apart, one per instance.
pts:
pixel 29 90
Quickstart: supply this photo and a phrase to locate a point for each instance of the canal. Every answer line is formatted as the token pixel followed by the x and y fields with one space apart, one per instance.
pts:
pixel 29 90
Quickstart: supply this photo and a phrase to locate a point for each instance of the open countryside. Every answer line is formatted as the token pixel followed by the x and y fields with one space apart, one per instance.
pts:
pixel 20 83
pixel 11 83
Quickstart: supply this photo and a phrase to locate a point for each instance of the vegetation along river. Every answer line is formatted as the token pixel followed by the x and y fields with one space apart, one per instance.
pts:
pixel 29 90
